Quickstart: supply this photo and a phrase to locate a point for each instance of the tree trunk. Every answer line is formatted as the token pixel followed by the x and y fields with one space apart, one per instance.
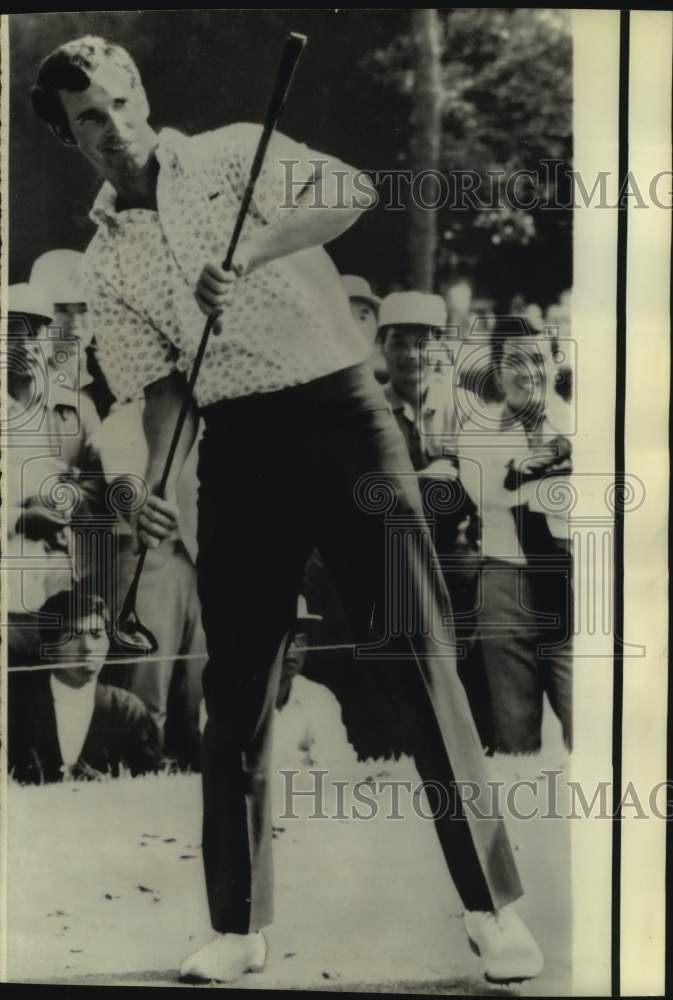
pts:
pixel 425 146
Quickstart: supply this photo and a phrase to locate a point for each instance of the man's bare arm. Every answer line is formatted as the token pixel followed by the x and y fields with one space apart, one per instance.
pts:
pixel 163 399
pixel 325 209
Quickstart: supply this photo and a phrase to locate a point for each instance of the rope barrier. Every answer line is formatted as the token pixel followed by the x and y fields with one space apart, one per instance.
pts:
pixel 114 661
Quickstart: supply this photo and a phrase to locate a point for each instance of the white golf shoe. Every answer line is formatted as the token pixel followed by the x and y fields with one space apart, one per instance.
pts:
pixel 226 958
pixel 508 950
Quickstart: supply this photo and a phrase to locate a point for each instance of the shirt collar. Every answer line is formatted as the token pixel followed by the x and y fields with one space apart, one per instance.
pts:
pixel 66 692
pixel 103 211
pixel 509 423
pixel 170 145
pixel 399 405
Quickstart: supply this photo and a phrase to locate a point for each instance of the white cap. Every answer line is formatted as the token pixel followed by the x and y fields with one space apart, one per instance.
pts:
pixel 26 298
pixel 359 288
pixel 59 274
pixel 412 308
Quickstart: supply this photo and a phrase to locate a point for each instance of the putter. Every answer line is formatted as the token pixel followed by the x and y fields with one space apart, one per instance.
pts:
pixel 131 635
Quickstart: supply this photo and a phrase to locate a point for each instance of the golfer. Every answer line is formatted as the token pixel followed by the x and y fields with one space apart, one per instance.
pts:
pixel 300 450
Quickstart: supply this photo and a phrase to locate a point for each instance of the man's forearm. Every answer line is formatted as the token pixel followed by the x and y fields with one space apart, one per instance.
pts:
pixel 163 400
pixel 319 216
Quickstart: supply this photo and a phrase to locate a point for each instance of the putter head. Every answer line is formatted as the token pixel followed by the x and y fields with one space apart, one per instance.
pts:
pixel 133 638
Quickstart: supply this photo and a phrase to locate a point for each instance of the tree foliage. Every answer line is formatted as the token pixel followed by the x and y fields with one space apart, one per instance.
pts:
pixel 506 105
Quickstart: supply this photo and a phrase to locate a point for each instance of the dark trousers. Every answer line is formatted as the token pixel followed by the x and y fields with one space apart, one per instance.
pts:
pixel 281 473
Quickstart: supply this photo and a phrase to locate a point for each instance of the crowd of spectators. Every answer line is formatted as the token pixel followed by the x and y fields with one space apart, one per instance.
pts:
pixel 483 402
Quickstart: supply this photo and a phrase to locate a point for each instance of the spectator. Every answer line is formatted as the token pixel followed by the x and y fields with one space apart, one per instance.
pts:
pixel 524 618
pixel 167 600
pixel 422 403
pixel 63 723
pixel 58 274
pixel 459 311
pixel 54 474
pixel 365 310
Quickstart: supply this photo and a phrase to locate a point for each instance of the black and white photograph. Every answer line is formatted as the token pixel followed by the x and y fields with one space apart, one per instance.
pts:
pixel 335 375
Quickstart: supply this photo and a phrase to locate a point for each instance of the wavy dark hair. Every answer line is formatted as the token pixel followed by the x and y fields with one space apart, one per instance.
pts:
pixel 69 67
pixel 67 606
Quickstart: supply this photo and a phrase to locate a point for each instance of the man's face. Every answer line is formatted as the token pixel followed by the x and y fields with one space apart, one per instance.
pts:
pixel 365 316
pixel 72 320
pixel 522 375
pixel 68 352
pixel 89 644
pixel 108 120
pixel 404 355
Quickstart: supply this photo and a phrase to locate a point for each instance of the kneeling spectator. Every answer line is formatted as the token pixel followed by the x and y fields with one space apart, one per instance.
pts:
pixel 62 722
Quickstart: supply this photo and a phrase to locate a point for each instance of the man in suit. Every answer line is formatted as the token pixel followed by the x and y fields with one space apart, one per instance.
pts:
pixel 62 722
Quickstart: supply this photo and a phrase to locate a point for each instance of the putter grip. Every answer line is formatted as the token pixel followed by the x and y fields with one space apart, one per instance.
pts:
pixel 294 46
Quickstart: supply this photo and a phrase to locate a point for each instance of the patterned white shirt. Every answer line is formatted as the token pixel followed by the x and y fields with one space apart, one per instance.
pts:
pixel 290 321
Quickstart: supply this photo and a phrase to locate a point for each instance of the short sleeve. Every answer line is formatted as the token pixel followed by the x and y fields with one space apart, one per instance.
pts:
pixel 289 167
pixel 132 353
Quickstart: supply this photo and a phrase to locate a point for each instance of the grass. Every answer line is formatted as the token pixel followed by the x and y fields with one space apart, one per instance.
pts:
pixel 105 886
